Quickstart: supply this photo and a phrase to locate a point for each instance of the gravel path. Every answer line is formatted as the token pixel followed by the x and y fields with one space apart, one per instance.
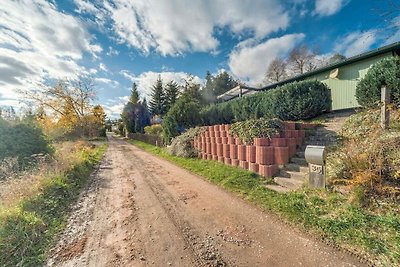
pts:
pixel 140 210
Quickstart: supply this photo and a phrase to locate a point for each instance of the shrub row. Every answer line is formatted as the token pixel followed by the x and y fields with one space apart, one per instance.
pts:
pixel 294 101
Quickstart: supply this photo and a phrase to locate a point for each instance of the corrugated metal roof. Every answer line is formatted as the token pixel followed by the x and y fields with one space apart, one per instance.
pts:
pixel 395 47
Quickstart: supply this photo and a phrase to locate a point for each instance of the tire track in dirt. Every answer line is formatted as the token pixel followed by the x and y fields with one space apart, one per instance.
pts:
pixel 140 210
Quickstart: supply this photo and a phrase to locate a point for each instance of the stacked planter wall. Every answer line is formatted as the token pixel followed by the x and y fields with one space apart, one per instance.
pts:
pixel 263 156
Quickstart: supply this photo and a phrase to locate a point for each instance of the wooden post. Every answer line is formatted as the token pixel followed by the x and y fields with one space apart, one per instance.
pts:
pixel 385 100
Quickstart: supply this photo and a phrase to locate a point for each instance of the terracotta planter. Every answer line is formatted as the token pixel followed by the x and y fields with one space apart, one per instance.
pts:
pixel 261 141
pixel 213 140
pixel 238 141
pixel 290 125
pixel 267 170
pixel 224 140
pixel 227 161
pixel 302 133
pixel 208 148
pixel 292 150
pixel 281 155
pixel 235 162
pixel 221 159
pixel 231 140
pixel 291 141
pixel 278 142
pixel 219 150
pixel 251 154
pixel 244 164
pixel 265 155
pixel 216 128
pixel 253 167
pixel 224 134
pixel 241 152
pixel 214 149
pixel 214 157
pixel 233 151
pixel 217 134
pixel 227 127
pixel 226 150
pixel 209 157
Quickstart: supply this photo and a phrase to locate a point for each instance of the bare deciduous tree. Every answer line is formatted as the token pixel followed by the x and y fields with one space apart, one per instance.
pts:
pixel 301 60
pixel 276 71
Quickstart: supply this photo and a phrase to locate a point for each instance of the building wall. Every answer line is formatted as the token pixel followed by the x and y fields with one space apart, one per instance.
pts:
pixel 343 88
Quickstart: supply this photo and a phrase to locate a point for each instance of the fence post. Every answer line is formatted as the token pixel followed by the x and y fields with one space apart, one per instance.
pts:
pixel 385 114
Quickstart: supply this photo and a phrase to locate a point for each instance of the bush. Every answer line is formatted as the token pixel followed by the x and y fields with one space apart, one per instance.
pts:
pixel 385 72
pixel 155 129
pixel 250 129
pixel 301 100
pixel 183 114
pixel 294 101
pixel 181 145
pixel 22 140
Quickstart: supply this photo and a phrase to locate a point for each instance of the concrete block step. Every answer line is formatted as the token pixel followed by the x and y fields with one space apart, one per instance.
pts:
pixel 278 188
pixel 295 167
pixel 288 183
pixel 299 161
pixel 300 176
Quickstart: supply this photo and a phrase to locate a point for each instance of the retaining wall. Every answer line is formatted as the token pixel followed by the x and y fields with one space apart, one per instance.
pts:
pixel 263 157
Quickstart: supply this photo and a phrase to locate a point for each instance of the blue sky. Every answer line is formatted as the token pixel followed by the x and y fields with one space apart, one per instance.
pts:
pixel 118 42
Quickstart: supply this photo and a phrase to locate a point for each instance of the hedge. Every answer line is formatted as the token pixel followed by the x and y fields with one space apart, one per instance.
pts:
pixel 294 101
pixel 385 72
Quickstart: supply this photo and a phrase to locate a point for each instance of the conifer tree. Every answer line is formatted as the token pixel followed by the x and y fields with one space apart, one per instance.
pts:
pixel 134 98
pixel 171 94
pixel 157 102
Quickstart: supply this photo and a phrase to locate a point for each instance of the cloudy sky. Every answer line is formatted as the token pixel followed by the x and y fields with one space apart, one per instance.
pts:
pixel 118 42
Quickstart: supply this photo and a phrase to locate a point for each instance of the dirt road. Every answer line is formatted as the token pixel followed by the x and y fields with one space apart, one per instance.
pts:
pixel 140 210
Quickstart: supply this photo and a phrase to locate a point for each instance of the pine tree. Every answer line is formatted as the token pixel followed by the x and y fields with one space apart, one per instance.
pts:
pixel 171 94
pixel 144 103
pixel 157 103
pixel 134 98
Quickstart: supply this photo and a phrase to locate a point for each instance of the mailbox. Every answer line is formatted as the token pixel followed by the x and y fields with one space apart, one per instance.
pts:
pixel 316 156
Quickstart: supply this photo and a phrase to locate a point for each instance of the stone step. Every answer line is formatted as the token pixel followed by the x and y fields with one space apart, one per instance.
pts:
pixel 278 188
pixel 301 176
pixel 299 161
pixel 288 183
pixel 295 167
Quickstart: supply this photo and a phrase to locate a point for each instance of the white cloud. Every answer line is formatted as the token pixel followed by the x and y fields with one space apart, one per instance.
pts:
pixel 128 75
pixel 112 52
pixel 103 67
pixel 355 43
pixel 174 27
pixel 37 42
pixel 329 7
pixel 84 6
pixel 249 61
pixel 106 81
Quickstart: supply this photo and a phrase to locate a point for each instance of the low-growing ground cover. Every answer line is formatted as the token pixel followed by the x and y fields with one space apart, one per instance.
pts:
pixel 327 214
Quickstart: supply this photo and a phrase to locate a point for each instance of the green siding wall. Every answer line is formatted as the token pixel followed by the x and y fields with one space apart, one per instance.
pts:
pixel 343 88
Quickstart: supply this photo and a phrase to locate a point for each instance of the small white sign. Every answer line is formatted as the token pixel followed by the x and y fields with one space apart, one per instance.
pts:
pixel 316 168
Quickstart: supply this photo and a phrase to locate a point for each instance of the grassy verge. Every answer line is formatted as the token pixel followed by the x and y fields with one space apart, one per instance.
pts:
pixel 28 230
pixel 373 235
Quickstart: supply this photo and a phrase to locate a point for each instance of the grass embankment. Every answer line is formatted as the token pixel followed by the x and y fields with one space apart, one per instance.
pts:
pixel 28 229
pixel 327 214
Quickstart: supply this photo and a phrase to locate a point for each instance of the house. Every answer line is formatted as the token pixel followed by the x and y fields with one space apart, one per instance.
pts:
pixel 341 77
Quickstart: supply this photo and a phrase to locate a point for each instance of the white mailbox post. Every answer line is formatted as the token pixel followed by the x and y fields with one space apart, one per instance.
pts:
pixel 316 156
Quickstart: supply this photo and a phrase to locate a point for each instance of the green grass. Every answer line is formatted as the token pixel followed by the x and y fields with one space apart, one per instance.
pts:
pixel 326 214
pixel 27 232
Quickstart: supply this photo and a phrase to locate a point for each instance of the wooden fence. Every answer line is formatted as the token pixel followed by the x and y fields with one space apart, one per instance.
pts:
pixel 155 140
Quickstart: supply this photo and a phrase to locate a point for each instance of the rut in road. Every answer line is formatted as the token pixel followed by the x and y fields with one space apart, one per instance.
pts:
pixel 140 210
